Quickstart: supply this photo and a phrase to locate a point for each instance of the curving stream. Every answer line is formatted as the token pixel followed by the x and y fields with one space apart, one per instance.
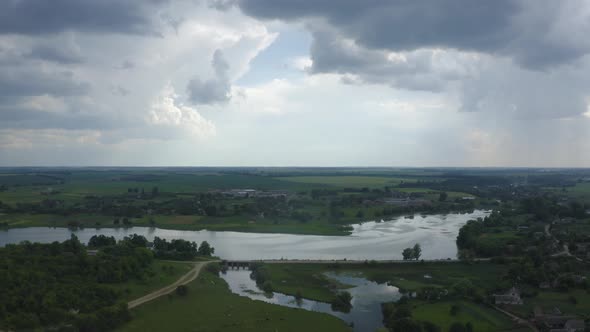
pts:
pixel 367 296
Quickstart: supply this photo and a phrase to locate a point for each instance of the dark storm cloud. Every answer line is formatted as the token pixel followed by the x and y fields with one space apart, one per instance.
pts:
pixel 55 54
pixel 403 24
pixel 495 27
pixel 221 4
pixel 215 90
pixel 416 72
pixel 36 17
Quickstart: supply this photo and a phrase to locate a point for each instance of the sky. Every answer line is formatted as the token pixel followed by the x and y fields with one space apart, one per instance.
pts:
pixel 448 83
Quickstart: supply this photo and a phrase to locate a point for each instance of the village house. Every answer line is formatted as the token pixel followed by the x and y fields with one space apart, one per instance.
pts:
pixel 271 193
pixel 555 321
pixel 239 192
pixel 405 201
pixel 575 325
pixel 511 297
pixel 545 285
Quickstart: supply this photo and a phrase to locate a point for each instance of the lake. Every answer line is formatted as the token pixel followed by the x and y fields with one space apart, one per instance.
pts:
pixel 369 240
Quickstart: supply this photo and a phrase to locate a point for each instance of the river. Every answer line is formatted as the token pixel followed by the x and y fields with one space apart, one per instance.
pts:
pixel 365 314
pixel 383 240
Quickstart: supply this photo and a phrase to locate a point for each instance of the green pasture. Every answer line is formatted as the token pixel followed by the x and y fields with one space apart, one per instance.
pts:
pixel 210 306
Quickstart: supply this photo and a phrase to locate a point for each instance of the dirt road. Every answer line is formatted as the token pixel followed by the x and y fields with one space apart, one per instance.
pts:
pixel 517 319
pixel 185 279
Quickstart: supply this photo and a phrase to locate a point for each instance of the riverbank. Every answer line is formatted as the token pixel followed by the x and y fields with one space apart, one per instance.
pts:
pixel 322 283
pixel 179 222
pixel 210 305
pixel 310 281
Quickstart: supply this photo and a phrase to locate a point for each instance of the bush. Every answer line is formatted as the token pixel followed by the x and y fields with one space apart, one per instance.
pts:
pixel 182 290
pixel 214 268
pixel 430 327
pixel 267 286
pixel 298 295
pixel 342 302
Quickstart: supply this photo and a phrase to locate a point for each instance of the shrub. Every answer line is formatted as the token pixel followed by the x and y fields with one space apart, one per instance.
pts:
pixel 342 302
pixel 182 290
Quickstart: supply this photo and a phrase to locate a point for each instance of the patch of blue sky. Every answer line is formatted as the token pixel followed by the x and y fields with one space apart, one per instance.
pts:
pixel 277 60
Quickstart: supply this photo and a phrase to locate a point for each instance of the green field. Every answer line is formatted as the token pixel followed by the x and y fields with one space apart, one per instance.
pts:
pixel 483 319
pixel 210 306
pixel 310 281
pixel 317 201
pixel 162 273
pixel 547 300
pixel 348 181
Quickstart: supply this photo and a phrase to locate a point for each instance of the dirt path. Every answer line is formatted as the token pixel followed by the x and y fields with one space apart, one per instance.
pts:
pixel 517 319
pixel 185 279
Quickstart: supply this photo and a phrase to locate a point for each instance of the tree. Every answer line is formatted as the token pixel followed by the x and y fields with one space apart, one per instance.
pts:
pixel 205 249
pixel 211 210
pixel 97 241
pixel 136 240
pixel 342 302
pixel 408 254
pixel 417 251
pixel 182 290
pixel 457 327
pixel 430 327
pixel 442 196
pixel 406 325
pixel 412 253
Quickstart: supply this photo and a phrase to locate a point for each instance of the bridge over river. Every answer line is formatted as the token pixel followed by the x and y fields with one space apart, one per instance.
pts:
pixel 246 264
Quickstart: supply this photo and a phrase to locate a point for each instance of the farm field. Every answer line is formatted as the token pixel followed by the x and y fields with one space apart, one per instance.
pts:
pixel 348 181
pixel 161 273
pixel 482 318
pixel 249 200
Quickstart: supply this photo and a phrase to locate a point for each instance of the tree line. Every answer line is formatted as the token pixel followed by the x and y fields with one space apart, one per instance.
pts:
pixel 65 287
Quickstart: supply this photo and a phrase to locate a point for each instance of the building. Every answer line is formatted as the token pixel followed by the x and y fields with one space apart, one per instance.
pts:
pixel 271 193
pixel 575 325
pixel 545 285
pixel 556 321
pixel 511 297
pixel 405 201
pixel 239 192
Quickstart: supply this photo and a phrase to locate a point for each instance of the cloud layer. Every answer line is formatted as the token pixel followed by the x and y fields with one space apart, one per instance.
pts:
pixel 284 82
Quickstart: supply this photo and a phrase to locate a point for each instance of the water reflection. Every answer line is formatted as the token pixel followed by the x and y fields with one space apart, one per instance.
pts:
pixel 367 296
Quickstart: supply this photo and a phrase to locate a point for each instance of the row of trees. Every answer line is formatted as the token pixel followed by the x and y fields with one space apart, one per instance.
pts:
pixel 58 285
pixel 413 253
pixel 175 249
pixel 181 249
